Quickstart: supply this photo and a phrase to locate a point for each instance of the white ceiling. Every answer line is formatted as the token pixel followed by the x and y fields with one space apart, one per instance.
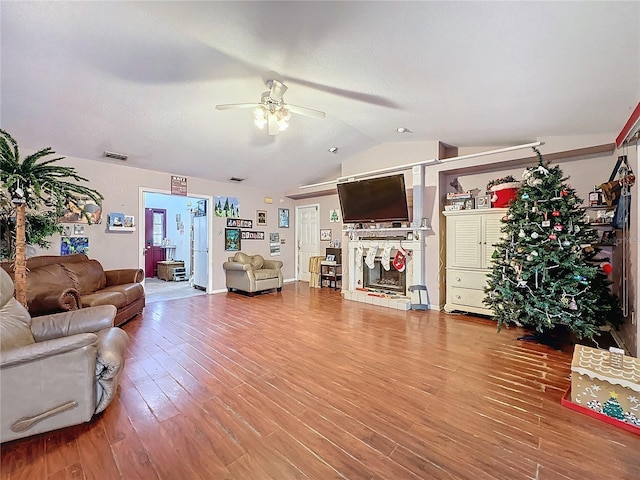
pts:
pixel 143 78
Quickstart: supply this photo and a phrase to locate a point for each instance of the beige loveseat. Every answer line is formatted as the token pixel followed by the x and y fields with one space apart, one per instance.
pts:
pixel 55 370
pixel 63 283
pixel 252 273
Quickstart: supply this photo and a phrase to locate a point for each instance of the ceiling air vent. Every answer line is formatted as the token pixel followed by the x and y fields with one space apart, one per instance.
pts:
pixel 116 156
pixel 236 179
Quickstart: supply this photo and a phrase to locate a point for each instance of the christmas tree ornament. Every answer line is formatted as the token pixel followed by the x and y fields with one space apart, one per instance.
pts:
pixel 534 253
pixel 607 268
pixel 534 235
pixel 566 243
pixel 525 196
pixel 573 305
pixel 564 193
pixel 529 258
pixel 521 234
pixel 558 228
pixel 511 217
pixel 555 213
pixel 564 300
pixel 552 236
pixel 576 229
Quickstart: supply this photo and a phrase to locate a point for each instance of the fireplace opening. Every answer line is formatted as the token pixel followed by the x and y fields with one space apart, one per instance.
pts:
pixel 378 278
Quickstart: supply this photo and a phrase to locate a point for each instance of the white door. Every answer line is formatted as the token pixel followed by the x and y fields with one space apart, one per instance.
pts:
pixel 308 233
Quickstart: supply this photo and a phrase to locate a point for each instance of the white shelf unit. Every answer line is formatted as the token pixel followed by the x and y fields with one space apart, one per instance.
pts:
pixel 471 236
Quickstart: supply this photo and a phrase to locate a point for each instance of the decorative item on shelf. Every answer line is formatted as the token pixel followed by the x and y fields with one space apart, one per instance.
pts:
pixel 503 190
pixel 483 201
pixel 595 197
pixel 116 220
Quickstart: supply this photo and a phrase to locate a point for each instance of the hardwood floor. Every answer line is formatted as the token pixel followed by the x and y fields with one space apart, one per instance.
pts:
pixel 303 385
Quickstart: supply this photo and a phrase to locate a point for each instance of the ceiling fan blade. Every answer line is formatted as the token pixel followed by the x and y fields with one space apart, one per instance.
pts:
pixel 307 112
pixel 274 129
pixel 230 106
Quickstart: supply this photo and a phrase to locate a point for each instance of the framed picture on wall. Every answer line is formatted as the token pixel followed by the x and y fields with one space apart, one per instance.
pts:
pixel 261 218
pixel 232 239
pixel 283 218
pixel 325 234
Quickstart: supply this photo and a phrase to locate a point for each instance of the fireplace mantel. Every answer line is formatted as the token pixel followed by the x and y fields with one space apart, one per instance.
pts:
pixel 414 267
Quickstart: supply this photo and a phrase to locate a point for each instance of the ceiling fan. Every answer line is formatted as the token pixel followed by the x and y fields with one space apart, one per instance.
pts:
pixel 272 111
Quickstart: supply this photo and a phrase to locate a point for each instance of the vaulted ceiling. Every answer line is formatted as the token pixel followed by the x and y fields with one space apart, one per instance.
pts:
pixel 143 78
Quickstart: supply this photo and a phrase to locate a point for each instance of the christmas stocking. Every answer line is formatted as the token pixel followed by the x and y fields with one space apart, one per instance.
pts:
pixel 386 256
pixel 371 256
pixel 399 261
pixel 359 253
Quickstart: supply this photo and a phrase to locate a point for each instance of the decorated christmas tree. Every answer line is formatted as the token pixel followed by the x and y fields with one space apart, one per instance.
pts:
pixel 544 273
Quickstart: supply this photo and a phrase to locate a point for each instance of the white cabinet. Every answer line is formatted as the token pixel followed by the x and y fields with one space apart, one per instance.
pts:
pixel 471 236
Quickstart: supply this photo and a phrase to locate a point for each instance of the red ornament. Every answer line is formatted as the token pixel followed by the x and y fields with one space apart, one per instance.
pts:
pixel 552 236
pixel 555 213
pixel 564 193
pixel 606 268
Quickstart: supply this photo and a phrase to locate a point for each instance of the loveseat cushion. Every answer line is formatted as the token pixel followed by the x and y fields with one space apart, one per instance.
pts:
pixel 257 261
pixel 117 299
pixel 87 277
pixel 265 273
pixel 131 291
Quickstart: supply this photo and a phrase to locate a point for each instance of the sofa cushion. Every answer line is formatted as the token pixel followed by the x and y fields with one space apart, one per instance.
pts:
pixel 87 277
pixel 117 299
pixel 131 291
pixel 257 261
pixel 41 280
pixel 265 273
pixel 242 258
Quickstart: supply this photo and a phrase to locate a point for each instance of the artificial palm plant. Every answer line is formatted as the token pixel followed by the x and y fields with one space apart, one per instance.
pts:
pixel 38 185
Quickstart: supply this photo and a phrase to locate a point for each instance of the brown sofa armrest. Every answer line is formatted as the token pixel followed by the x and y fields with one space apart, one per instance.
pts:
pixel 55 301
pixel 124 275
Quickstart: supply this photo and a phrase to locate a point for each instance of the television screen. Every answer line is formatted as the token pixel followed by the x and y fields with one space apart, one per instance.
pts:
pixel 380 199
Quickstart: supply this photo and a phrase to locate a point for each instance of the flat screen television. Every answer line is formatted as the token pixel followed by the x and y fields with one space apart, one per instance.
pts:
pixel 381 199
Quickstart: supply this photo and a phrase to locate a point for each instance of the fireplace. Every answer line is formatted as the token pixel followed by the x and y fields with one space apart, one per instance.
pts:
pixel 388 281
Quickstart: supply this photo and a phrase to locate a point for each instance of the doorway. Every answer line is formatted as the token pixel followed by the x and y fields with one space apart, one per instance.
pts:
pixel 308 238
pixel 155 234
pixel 167 237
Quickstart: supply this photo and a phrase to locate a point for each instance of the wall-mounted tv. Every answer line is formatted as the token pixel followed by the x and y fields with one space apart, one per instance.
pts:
pixel 381 199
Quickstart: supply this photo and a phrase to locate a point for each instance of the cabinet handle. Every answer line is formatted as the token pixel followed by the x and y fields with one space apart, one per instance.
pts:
pixel 458 279
pixel 458 297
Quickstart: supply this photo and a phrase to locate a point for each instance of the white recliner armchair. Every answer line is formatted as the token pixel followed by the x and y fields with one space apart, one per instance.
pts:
pixel 55 370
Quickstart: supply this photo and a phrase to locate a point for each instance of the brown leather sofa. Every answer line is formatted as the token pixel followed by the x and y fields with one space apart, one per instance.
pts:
pixel 55 370
pixel 63 283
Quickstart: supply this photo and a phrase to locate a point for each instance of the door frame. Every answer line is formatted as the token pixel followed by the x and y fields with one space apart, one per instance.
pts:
pixel 297 232
pixel 141 207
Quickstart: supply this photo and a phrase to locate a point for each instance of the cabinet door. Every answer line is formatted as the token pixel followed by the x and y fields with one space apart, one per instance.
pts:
pixel 464 241
pixel 491 235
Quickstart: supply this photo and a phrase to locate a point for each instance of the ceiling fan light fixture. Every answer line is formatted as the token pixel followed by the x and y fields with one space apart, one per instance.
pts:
pixel 260 116
pixel 403 130
pixel 333 149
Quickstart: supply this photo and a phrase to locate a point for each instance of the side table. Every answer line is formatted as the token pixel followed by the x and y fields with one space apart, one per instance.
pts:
pixel 330 272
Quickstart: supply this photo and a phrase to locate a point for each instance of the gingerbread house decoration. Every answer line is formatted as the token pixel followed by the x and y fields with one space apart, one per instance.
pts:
pixel 606 383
